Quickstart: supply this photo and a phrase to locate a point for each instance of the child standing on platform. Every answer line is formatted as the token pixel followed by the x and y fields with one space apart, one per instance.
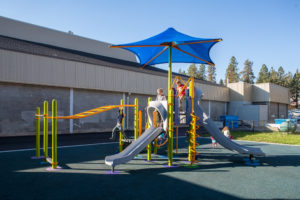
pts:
pixel 160 97
pixel 213 142
pixel 181 93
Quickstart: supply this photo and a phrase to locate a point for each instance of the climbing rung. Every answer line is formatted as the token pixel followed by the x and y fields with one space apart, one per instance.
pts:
pixel 79 115
pixel 96 110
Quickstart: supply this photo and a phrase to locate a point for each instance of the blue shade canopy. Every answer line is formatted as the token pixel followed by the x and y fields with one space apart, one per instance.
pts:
pixel 185 49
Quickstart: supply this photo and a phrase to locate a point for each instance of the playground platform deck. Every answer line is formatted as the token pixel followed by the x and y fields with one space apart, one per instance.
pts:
pixel 220 174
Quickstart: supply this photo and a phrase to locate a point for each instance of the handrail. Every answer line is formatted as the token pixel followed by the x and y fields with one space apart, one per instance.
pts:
pixel 90 112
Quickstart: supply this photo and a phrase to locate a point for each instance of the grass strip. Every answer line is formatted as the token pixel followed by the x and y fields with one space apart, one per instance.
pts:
pixel 273 137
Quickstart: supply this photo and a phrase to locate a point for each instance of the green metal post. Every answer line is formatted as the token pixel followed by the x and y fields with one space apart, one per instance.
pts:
pixel 45 129
pixel 38 132
pixel 136 118
pixel 121 135
pixel 149 149
pixel 170 110
pixel 54 134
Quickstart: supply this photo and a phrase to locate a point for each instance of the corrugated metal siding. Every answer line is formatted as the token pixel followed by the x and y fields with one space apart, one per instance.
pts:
pixel 270 92
pixel 247 92
pixel 283 110
pixel 214 93
pixel 261 92
pixel 236 91
pixel 32 69
pixel 279 94
pixel 30 32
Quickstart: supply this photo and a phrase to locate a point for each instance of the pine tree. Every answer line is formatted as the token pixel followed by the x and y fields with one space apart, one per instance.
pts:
pixel 180 71
pixel 192 70
pixel 247 73
pixel 295 87
pixel 211 73
pixel 281 74
pixel 201 74
pixel 288 79
pixel 273 78
pixel 221 82
pixel 263 76
pixel 232 71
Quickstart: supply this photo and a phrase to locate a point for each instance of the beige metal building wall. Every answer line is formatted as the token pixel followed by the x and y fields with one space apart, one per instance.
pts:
pixel 247 92
pixel 269 100
pixel 29 32
pixel 240 91
pixel 31 69
pixel 214 92
pixel 261 92
pixel 264 92
pixel 279 94
pixel 236 91
pixel 25 68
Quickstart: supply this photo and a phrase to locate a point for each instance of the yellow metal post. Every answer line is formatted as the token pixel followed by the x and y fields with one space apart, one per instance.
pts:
pixel 136 120
pixel 170 110
pixel 45 130
pixel 38 133
pixel 121 135
pixel 155 125
pixel 54 134
pixel 170 121
pixel 149 149
pixel 192 132
pixel 140 123
pixel 192 141
pixel 192 93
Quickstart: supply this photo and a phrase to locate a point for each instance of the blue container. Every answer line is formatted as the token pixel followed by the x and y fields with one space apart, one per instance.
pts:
pixel 232 121
pixel 232 124
pixel 229 117
pixel 279 121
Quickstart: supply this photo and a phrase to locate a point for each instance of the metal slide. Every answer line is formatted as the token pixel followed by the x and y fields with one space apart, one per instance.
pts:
pixel 134 148
pixel 148 136
pixel 214 131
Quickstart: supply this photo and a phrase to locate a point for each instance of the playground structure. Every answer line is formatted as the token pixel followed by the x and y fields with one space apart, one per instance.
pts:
pixel 193 112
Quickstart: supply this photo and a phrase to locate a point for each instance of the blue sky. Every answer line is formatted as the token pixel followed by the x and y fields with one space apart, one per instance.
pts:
pixel 264 31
